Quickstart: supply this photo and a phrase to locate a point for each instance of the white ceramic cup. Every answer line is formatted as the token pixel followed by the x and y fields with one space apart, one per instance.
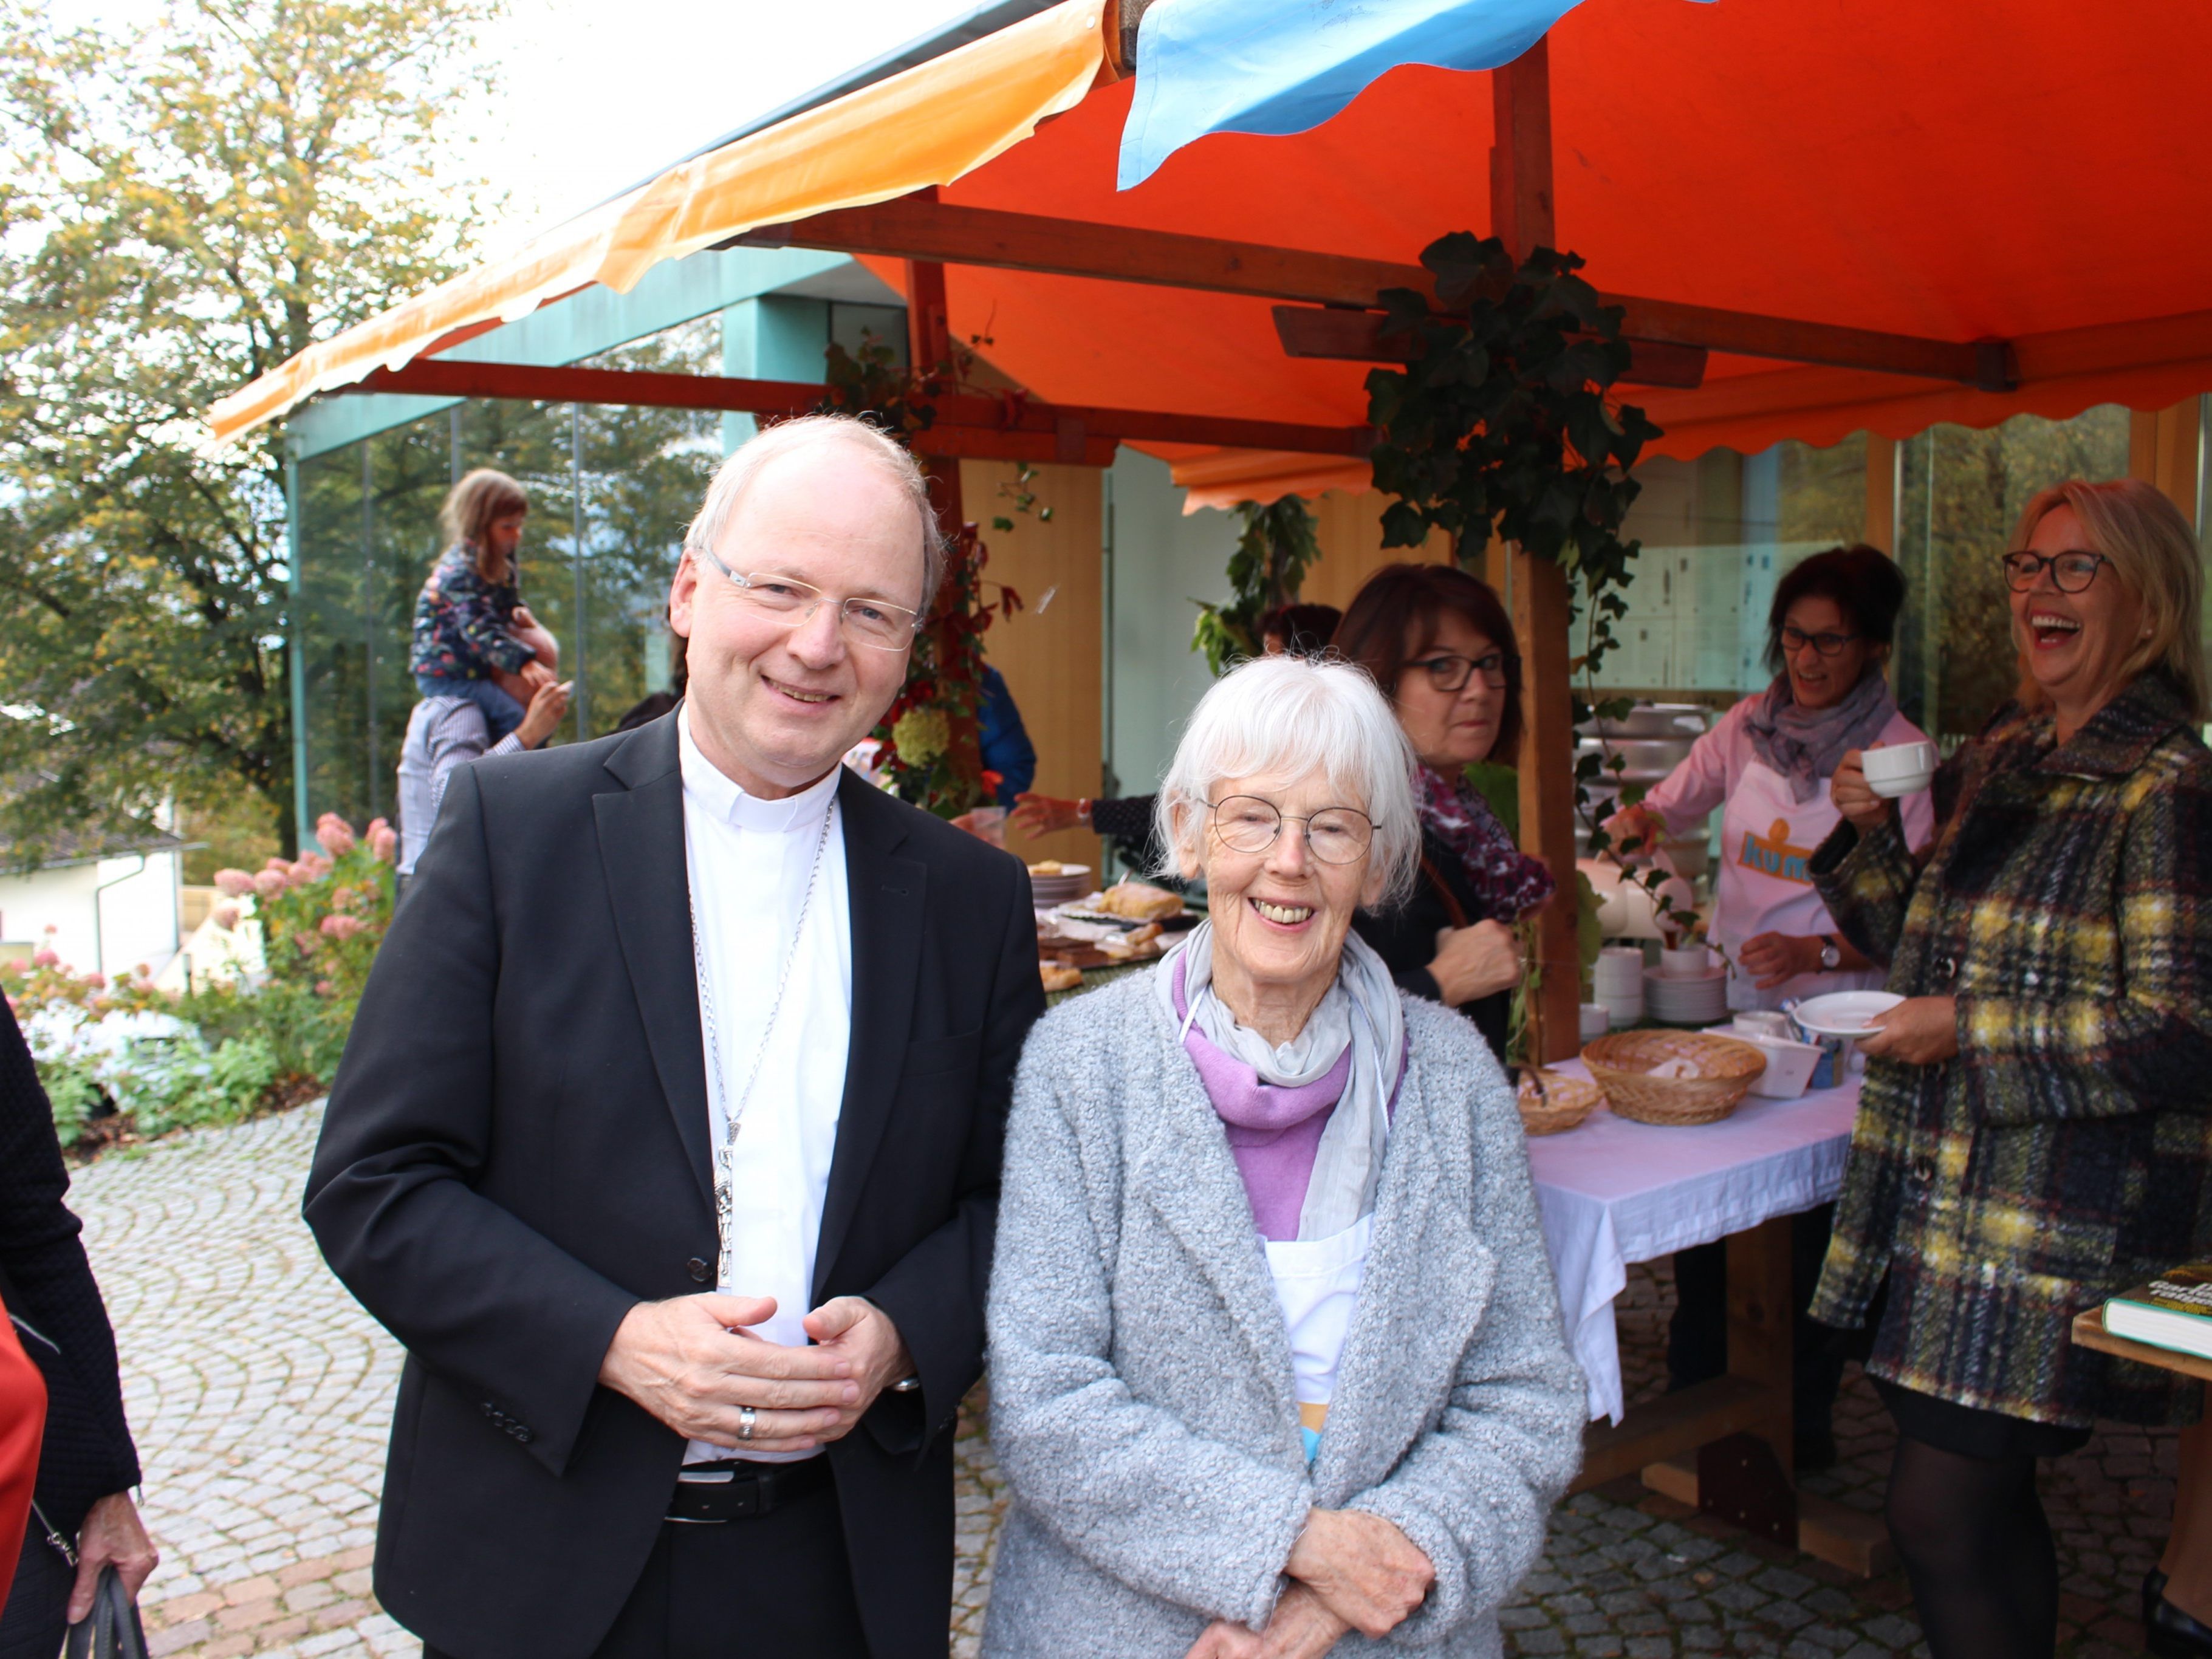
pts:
pixel 1596 1021
pixel 1899 768
pixel 1691 961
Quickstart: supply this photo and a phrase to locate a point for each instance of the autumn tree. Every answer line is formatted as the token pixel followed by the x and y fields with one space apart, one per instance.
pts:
pixel 184 207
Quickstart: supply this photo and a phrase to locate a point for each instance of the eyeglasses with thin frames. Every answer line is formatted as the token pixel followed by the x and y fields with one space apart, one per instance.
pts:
pixel 1335 835
pixel 1795 640
pixel 2071 571
pixel 872 623
pixel 1449 671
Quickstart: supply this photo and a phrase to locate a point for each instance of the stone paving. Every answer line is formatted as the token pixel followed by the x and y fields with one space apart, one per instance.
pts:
pixel 261 1394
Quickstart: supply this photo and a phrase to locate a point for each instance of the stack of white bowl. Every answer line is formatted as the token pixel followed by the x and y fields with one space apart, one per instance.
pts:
pixel 1650 741
pixel 1687 987
pixel 1072 881
pixel 1618 983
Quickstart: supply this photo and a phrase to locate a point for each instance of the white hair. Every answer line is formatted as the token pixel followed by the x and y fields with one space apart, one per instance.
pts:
pixel 1289 716
pixel 869 443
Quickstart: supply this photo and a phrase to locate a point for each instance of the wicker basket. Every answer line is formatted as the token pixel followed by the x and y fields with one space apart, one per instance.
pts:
pixel 1551 1102
pixel 1622 1063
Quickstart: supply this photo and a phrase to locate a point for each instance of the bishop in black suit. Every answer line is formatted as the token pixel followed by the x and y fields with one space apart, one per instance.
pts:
pixel 602 1445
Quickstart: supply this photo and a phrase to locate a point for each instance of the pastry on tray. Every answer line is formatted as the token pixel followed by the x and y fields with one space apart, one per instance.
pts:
pixel 1140 902
pixel 1058 978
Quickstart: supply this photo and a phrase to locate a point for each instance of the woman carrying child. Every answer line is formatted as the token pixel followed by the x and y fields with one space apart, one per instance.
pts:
pixel 469 619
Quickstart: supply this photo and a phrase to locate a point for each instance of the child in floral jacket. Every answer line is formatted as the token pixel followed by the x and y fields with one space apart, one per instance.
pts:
pixel 469 617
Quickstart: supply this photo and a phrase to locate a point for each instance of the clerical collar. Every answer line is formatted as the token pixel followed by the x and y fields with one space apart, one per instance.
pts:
pixel 722 798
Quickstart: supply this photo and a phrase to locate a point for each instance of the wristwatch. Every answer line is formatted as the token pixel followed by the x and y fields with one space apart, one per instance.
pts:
pixel 1831 957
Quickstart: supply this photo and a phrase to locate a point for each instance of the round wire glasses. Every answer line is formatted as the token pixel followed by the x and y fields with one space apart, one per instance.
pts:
pixel 1335 835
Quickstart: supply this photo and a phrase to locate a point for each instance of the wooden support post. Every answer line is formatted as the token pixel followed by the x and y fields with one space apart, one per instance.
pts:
pixel 2163 449
pixel 1882 494
pixel 1547 764
pixel 1521 157
pixel 1521 214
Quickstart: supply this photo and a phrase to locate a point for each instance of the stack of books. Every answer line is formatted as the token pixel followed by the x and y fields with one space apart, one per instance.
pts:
pixel 2173 1311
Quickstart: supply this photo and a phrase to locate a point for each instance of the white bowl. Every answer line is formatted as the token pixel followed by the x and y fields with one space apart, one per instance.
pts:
pixel 1845 1013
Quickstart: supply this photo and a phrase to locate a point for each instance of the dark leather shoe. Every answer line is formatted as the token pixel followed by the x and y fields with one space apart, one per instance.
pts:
pixel 2154 1591
pixel 2172 1633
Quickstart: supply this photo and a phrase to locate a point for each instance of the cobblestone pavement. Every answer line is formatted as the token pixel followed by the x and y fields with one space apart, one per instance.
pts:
pixel 260 1395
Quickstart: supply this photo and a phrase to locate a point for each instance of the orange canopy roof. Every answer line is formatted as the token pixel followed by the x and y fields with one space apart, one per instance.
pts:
pixel 2029 171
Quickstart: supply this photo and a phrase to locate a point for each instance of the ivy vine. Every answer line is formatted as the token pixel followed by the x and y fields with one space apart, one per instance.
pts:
pixel 1278 545
pixel 1504 422
pixel 930 751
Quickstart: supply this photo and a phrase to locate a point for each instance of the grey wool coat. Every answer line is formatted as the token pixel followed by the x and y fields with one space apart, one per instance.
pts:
pixel 1141 1399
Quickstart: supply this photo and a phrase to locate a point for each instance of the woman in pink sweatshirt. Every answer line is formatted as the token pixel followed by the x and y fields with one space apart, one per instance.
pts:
pixel 1767 765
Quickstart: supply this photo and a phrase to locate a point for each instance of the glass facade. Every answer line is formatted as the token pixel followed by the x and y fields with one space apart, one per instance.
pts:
pixel 1720 531
pixel 611 491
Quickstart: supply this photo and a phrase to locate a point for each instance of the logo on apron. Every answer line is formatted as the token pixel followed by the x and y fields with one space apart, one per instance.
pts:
pixel 1772 855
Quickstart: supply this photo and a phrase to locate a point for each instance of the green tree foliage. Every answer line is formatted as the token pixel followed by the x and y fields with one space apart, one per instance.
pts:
pixel 1268 567
pixel 643 473
pixel 185 207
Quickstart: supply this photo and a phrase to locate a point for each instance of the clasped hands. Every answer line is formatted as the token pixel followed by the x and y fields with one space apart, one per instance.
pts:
pixel 1349 1570
pixel 690 1363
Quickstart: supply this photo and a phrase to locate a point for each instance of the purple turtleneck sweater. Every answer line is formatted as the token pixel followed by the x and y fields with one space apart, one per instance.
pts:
pixel 1274 1134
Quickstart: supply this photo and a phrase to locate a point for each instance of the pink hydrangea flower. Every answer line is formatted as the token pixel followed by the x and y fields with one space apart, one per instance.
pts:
pixel 236 883
pixel 341 927
pixel 282 867
pixel 383 841
pixel 45 958
pixel 270 883
pixel 304 943
pixel 97 981
pixel 224 916
pixel 335 834
pixel 325 988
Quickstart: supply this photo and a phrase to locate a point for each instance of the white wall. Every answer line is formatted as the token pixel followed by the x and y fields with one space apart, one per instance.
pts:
pixel 136 908
pixel 1158 562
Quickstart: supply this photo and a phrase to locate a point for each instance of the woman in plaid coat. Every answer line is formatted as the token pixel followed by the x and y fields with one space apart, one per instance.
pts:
pixel 2035 1130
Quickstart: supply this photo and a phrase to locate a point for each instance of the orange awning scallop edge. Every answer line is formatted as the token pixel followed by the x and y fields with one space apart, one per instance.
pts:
pixel 952 115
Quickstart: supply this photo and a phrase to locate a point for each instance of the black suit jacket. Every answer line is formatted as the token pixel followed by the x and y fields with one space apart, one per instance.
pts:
pixel 1405 937
pixel 47 1284
pixel 516 1153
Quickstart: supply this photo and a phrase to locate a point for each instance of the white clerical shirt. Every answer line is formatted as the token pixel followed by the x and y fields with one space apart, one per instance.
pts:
pixel 748 860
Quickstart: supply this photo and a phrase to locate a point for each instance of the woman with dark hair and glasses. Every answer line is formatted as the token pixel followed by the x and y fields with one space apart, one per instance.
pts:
pixel 1768 763
pixel 1440 646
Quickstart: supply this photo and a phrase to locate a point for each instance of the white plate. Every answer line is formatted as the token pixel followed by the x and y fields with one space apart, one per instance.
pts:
pixel 1845 1013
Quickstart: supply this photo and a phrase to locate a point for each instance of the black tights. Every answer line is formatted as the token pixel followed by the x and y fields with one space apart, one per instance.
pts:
pixel 1979 1551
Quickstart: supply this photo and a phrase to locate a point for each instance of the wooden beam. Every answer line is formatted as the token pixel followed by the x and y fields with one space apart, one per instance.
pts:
pixel 909 230
pixel 1357 336
pixel 1520 155
pixel 1668 1426
pixel 1006 428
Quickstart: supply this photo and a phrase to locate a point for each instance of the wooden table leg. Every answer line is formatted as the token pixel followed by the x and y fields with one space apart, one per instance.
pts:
pixel 1745 1478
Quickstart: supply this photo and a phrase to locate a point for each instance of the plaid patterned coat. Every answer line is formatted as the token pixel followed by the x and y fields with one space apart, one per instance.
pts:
pixel 2067 1151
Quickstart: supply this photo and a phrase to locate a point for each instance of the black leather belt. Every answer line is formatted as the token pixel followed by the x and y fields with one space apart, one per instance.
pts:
pixel 739 1491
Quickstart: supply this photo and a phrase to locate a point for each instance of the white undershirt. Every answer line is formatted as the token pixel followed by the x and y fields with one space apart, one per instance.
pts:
pixel 747 860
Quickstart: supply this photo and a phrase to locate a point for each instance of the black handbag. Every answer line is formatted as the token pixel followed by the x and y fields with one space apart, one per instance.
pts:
pixel 111 1630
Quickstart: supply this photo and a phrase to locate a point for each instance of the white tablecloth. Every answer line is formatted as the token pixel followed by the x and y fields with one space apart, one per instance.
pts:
pixel 1611 1191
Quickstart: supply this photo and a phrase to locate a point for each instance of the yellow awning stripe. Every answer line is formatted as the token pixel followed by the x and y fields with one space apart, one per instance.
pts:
pixel 927 125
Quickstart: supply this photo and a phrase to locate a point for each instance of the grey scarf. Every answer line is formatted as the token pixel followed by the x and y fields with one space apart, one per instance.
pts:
pixel 1805 745
pixel 1361 1012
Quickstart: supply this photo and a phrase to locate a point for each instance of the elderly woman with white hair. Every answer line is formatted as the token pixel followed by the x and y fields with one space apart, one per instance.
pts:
pixel 1276 1352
